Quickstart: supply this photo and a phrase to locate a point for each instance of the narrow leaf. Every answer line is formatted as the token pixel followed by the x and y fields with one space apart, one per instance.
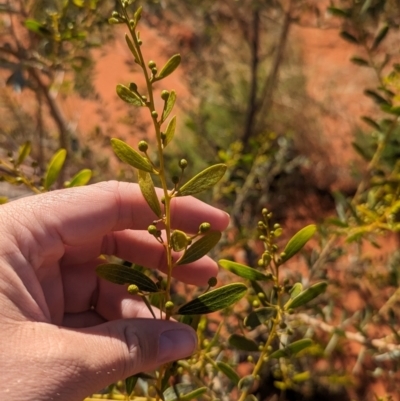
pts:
pixel 132 49
pixel 200 248
pixel 242 343
pixel 204 180
pixel 379 38
pixel 296 290
pixel 54 168
pixel 179 240
pixel 350 38
pixel 171 65
pixel 228 372
pixel 371 122
pixel 37 27
pixel 130 156
pixel 183 392
pixel 338 12
pixel 243 271
pixel 129 96
pixel 214 300
pixel 359 61
pixel 170 131
pixel 130 383
pixel 307 295
pixel 292 349
pixel 81 178
pixel 297 242
pixel 259 316
pixel 149 193
pixel 169 105
pixel 120 274
pixel 378 99
pixel 24 152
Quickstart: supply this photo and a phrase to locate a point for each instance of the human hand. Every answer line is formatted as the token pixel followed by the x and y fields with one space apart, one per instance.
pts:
pixel 64 333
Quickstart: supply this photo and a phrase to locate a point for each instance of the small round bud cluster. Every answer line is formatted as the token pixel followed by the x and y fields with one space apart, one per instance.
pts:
pixel 175 179
pixel 154 114
pixel 183 163
pixel 162 200
pixel 204 227
pixel 212 282
pixel 133 289
pixel 164 95
pixel 143 146
pixel 256 303
pixel 152 64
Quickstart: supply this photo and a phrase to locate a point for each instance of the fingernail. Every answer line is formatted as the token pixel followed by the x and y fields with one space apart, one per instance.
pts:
pixel 175 344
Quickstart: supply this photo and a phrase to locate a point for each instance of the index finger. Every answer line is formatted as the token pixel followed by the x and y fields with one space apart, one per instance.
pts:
pixel 79 215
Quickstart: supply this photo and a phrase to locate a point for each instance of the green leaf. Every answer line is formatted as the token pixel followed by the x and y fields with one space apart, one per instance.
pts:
pixel 23 152
pixel 37 27
pixel 170 131
pixel 81 178
pixel 301 377
pixel 171 65
pixel 120 274
pixel 200 248
pixel 214 300
pixel 242 343
pixel 297 242
pixel 296 290
pixel 378 99
pixel 149 192
pixel 138 15
pixel 129 96
pixel 359 61
pixel 379 38
pixel 338 12
pixel 259 316
pixel 350 38
pixel 204 180
pixel 246 383
pixel 130 156
pixel 168 106
pixel 243 271
pixel 179 240
pixel 307 295
pixel 132 49
pixel 130 383
pixel 228 372
pixel 371 122
pixel 183 392
pixel 54 168
pixel 79 3
pixel 292 349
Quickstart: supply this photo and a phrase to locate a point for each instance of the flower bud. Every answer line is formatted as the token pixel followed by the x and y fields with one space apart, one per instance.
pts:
pixel 204 227
pixel 133 289
pixel 212 282
pixel 164 95
pixel 143 146
pixel 183 164
pixel 152 229
pixel 152 64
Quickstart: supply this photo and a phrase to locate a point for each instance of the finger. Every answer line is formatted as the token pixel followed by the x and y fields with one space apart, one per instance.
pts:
pixel 141 248
pixel 78 215
pixel 83 289
pixel 79 362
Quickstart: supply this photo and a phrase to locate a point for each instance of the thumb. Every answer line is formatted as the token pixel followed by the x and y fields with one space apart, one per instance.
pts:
pixel 101 355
